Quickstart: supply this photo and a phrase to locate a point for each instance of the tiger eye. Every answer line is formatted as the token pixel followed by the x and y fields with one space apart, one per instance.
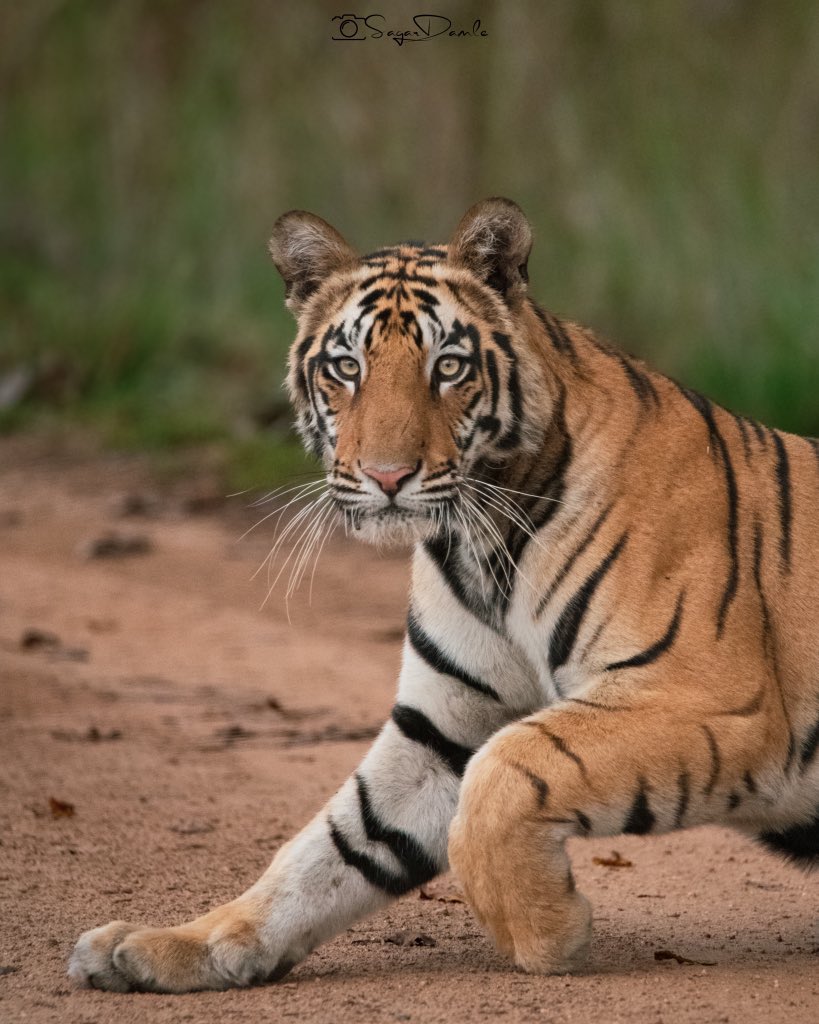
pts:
pixel 449 366
pixel 347 367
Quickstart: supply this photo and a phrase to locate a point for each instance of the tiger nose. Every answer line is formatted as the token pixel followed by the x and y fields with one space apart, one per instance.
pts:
pixel 389 478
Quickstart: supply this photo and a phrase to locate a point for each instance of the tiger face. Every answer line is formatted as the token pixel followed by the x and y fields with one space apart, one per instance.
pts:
pixel 403 374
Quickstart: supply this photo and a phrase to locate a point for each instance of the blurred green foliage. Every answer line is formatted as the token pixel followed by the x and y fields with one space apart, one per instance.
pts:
pixel 666 152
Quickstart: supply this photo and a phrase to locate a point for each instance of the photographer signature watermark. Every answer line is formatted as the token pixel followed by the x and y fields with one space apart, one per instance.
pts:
pixel 358 27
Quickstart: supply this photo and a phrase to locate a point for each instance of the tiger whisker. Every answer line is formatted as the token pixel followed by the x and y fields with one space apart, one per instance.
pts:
pixel 503 506
pixel 525 494
pixel 492 531
pixel 293 526
pixel 296 546
pixel 507 511
pixel 307 491
pixel 280 492
pixel 303 559
pixel 285 533
pixel 449 530
pixel 486 528
pixel 503 499
pixel 460 513
pixel 330 529
pixel 508 556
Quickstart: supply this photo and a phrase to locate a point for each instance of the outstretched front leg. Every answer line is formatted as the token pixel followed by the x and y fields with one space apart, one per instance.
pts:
pixel 584 768
pixel 382 834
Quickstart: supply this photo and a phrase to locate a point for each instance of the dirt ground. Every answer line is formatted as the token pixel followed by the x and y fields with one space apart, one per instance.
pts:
pixel 191 732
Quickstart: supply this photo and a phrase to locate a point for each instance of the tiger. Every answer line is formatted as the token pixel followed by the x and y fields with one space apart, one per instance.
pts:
pixel 612 622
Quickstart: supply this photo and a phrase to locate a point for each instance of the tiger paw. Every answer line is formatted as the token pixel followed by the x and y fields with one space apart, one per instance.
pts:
pixel 122 957
pixel 562 948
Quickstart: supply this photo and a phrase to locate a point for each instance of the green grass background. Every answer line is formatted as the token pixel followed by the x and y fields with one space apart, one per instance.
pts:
pixel 666 152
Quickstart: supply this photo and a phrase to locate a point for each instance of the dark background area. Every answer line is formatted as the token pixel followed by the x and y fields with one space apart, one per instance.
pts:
pixel 666 153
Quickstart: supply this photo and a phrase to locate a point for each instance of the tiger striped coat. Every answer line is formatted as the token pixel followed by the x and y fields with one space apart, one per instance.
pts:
pixel 612 625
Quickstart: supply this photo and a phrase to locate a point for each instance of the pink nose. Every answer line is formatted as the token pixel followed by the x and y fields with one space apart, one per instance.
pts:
pixel 389 479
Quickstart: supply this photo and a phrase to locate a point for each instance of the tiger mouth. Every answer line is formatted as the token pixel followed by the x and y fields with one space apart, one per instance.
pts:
pixel 423 518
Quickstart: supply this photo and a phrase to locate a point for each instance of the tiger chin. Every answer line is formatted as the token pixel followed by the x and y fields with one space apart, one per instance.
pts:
pixel 612 623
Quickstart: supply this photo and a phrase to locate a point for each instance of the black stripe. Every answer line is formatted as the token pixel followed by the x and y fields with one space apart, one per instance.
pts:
pixel 492 426
pixel 768 643
pixel 600 629
pixel 418 866
pixel 743 433
pixel 494 379
pixel 783 482
pixel 640 818
pixel 559 744
pixel 439 488
pixel 571 618
pixel 368 282
pixel 385 252
pixel 417 727
pixel 639 382
pixel 593 704
pixel 374 873
pixel 535 512
pixel 366 302
pixel 301 354
pixel 538 511
pixel 800 843
pixel 716 761
pixel 570 563
pixel 424 296
pixel 443 550
pixel 556 332
pixel 763 603
pixel 423 279
pixel 411 327
pixel 684 785
pixel 760 432
pixel 750 782
pixel 584 822
pixel 512 435
pixel 810 745
pixel 426 648
pixel 541 786
pixel 734 800
pixel 706 410
pixel 656 650
pixel 732 581
pixel 448 467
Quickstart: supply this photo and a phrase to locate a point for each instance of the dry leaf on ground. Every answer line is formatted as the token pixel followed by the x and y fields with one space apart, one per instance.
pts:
pixel 614 861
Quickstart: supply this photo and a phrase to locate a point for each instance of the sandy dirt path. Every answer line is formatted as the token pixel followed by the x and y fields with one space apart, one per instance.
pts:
pixel 192 733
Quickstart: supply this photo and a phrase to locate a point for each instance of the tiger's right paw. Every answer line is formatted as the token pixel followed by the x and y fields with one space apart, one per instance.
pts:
pixel 219 951
pixel 92 962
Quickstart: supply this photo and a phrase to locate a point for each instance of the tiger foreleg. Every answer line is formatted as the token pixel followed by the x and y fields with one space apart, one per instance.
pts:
pixel 362 850
pixel 383 833
pixel 575 770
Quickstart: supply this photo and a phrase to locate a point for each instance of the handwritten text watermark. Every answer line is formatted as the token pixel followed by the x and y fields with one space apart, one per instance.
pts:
pixel 349 28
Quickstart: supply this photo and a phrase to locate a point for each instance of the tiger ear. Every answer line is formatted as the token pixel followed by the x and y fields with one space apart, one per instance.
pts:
pixel 493 240
pixel 306 250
